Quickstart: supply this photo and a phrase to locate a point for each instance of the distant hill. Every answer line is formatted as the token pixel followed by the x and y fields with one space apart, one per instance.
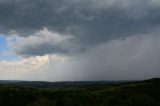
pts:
pixel 153 80
pixel 56 84
pixel 96 93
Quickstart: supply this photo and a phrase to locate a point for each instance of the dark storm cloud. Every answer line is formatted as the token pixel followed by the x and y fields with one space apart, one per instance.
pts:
pixel 136 57
pixel 91 39
pixel 91 22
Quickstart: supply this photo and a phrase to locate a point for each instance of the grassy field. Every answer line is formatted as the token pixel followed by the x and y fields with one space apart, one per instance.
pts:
pixel 139 93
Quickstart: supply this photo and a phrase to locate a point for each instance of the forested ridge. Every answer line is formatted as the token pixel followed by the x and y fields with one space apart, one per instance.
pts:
pixel 138 93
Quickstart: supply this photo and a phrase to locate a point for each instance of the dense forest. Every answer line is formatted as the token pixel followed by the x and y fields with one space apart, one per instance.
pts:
pixel 138 93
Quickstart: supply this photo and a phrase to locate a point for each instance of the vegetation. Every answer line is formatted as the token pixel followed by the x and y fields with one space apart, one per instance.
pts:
pixel 140 93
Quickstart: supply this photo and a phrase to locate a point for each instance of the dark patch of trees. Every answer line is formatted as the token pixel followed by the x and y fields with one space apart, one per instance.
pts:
pixel 140 93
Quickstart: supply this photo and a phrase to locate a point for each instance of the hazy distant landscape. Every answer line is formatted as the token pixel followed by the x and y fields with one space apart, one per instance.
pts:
pixel 100 93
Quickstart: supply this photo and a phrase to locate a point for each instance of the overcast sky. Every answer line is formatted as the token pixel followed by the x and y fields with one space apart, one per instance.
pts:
pixel 65 40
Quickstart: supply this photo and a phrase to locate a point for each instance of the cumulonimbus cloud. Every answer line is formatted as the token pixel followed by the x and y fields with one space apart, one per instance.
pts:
pixel 135 57
pixel 91 22
pixel 101 39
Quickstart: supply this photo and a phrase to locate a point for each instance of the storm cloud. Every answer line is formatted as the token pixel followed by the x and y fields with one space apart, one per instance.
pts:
pixel 91 22
pixel 101 39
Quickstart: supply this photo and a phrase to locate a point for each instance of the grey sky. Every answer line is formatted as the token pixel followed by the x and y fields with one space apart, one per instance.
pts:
pixel 103 39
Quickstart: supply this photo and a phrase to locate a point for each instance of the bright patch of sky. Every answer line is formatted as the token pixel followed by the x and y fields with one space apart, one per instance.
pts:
pixel 5 51
pixel 3 43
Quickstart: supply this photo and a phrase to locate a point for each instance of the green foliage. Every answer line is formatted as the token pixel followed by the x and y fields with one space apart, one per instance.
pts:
pixel 145 93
